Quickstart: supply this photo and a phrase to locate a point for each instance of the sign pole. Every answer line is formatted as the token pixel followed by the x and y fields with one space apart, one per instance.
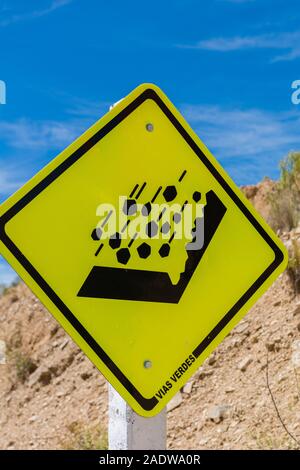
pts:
pixel 129 431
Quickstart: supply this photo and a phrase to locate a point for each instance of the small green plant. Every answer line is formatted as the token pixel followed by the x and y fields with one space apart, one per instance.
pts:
pixel 4 290
pixel 24 365
pixel 293 269
pixel 265 440
pixel 21 364
pixel 15 341
pixel 82 437
pixel 285 197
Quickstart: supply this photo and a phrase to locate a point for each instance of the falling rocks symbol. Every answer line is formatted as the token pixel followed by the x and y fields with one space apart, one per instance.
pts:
pixel 152 286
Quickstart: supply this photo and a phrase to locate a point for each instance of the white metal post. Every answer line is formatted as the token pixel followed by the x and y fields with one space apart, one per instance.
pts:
pixel 130 431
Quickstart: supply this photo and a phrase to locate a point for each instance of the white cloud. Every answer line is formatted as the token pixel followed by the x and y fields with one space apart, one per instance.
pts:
pixel 9 181
pixel 16 18
pixel 28 142
pixel 289 42
pixel 26 134
pixel 87 108
pixel 250 138
pixel 250 142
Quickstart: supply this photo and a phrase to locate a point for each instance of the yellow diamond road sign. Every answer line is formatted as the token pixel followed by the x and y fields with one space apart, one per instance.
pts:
pixel 146 291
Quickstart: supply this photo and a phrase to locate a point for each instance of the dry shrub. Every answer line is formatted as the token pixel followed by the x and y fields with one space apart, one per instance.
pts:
pixel 84 437
pixel 293 269
pixel 285 197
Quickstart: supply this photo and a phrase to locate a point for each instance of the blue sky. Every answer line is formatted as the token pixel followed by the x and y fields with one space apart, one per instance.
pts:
pixel 227 65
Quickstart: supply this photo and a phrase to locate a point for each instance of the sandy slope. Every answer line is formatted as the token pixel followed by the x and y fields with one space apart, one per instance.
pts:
pixel 65 398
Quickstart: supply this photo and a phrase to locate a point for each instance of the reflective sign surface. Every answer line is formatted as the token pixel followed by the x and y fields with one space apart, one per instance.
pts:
pixel 141 246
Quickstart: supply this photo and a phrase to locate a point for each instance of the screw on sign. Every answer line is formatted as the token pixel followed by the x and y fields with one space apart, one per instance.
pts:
pixel 151 285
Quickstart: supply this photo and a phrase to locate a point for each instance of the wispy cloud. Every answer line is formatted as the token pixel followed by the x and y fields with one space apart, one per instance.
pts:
pixel 288 42
pixel 26 144
pixel 30 135
pixel 51 135
pixel 237 136
pixel 9 181
pixel 250 139
pixel 87 108
pixel 16 18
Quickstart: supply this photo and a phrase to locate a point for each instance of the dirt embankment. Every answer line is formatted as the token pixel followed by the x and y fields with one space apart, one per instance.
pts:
pixel 52 397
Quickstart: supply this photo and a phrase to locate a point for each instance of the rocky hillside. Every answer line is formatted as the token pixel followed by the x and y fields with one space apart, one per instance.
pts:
pixel 52 397
pixel 259 196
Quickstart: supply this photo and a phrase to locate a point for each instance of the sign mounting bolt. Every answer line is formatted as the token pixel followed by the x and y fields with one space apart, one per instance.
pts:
pixel 149 127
